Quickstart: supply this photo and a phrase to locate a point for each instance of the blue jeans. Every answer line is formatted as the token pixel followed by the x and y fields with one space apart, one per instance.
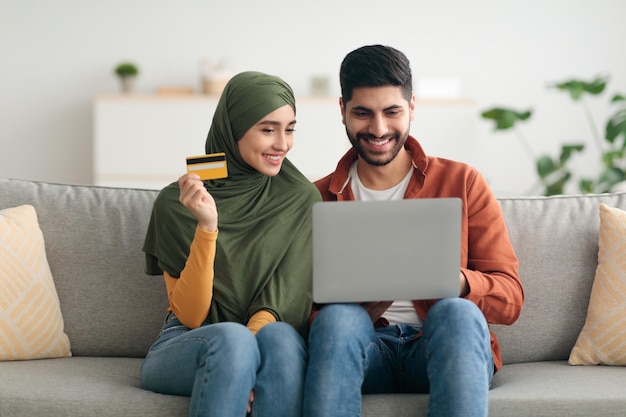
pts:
pixel 219 364
pixel 451 360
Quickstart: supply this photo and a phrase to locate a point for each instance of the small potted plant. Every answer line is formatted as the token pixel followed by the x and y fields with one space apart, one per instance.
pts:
pixel 127 72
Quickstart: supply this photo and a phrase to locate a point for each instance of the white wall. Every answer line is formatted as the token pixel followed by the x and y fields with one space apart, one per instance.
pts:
pixel 57 56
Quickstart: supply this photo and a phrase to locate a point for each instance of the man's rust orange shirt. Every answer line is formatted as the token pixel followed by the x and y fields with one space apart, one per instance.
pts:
pixel 488 260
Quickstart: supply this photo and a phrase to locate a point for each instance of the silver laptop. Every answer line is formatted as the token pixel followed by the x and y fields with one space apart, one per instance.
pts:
pixel 386 250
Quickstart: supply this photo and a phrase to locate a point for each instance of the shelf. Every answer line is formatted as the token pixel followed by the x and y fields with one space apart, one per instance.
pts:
pixel 142 140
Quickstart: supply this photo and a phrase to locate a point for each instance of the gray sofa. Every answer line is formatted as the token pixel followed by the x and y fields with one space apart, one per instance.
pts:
pixel 113 312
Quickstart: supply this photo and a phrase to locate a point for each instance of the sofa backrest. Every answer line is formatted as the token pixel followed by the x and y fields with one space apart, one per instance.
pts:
pixel 93 238
pixel 110 307
pixel 556 241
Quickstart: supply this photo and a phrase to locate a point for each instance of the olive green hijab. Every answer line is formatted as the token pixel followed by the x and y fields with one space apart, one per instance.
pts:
pixel 263 256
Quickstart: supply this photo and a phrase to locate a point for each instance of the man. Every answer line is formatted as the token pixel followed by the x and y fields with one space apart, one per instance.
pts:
pixel 442 347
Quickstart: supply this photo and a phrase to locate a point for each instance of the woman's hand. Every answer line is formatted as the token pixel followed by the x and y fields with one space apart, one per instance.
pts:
pixel 197 199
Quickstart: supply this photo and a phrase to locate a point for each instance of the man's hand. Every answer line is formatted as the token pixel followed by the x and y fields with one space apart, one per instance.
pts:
pixel 375 309
pixel 250 401
pixel 464 285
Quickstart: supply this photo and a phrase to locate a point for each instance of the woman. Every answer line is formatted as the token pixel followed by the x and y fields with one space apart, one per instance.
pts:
pixel 238 302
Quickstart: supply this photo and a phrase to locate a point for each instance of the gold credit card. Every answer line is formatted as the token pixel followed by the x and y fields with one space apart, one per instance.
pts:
pixel 208 167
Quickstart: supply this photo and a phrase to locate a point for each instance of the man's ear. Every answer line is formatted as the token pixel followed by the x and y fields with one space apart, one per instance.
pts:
pixel 412 106
pixel 343 111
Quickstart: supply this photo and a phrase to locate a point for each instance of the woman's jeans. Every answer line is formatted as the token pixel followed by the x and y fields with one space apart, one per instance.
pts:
pixel 219 364
pixel 451 360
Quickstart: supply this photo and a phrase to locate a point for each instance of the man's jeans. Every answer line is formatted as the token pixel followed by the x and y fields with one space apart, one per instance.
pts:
pixel 219 364
pixel 451 360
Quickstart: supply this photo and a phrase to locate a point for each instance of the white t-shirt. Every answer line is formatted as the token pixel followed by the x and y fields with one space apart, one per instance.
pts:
pixel 401 311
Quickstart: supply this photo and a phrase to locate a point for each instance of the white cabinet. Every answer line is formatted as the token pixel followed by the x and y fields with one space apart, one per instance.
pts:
pixel 142 140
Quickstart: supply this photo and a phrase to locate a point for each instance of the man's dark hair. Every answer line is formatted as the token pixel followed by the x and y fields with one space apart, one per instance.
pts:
pixel 375 66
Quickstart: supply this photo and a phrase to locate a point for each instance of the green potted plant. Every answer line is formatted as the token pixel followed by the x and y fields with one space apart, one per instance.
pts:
pixel 127 72
pixel 554 172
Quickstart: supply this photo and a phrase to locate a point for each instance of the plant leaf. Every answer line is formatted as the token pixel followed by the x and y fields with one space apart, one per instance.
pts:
pixel 609 157
pixel 585 186
pixel 609 178
pixel 577 88
pixel 618 97
pixel 616 126
pixel 546 166
pixel 568 150
pixel 596 86
pixel 505 118
pixel 558 186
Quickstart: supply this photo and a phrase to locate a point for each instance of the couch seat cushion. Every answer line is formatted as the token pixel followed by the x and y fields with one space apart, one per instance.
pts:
pixel 82 386
pixel 546 389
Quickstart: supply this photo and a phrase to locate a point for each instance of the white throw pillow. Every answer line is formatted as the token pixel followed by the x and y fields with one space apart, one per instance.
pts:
pixel 31 325
pixel 602 340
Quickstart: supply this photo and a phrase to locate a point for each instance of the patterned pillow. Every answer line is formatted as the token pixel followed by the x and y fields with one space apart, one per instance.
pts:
pixel 31 325
pixel 602 340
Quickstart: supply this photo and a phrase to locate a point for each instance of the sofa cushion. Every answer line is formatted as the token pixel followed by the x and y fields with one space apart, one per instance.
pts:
pixel 602 340
pixel 31 324
pixel 94 237
pixel 555 389
pixel 546 389
pixel 108 387
pixel 556 241
pixel 82 386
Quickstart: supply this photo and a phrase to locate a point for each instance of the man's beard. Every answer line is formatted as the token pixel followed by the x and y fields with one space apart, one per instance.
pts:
pixel 370 157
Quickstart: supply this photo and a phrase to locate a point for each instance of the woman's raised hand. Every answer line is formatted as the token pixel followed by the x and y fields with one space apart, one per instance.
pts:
pixel 197 199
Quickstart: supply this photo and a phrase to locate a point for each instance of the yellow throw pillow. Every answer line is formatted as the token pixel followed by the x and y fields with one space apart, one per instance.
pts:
pixel 602 340
pixel 31 325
